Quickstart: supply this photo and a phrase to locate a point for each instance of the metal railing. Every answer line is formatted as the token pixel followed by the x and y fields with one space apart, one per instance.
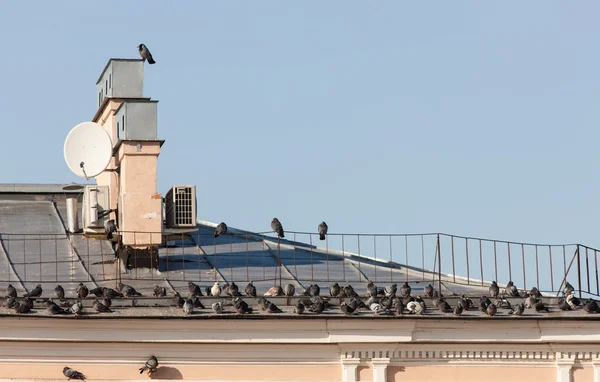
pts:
pixel 453 264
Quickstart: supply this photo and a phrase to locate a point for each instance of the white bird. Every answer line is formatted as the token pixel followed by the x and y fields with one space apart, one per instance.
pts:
pixel 376 308
pixel 216 289
pixel 414 307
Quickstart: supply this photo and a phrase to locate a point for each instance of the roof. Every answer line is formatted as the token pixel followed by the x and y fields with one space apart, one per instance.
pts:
pixel 116 59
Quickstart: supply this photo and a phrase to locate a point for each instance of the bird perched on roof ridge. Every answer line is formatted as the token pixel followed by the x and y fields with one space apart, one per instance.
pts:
pixel 150 365
pixel 289 290
pixel 323 230
pixel 216 289
pixel 390 291
pixel 458 309
pixel 568 289
pixel 194 289
pixel 76 308
pixel 494 289
pixel 35 292
pixel 11 291
pixel 535 292
pixel 511 290
pixel 221 229
pixel 572 300
pixel 100 307
pixel 275 290
pixel 299 308
pixel 109 228
pixel 73 374
pixel 405 290
pixel 188 306
pixel 128 290
pixel 428 290
pixel 277 227
pixel 414 308
pixel 217 307
pixel 159 291
pixel 250 290
pixel 52 308
pixel 591 306
pixel 334 290
pixel 145 54
pixel 517 310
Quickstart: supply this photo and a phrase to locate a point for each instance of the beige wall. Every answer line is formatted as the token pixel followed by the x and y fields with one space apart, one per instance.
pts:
pixel 459 373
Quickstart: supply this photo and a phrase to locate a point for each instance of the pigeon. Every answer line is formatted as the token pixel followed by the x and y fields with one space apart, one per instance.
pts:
pixel 275 290
pixel 21 308
pixel 73 374
pixel 221 229
pixel 458 309
pixel 428 291
pixel 98 292
pixel 107 302
pixel 35 292
pixel 318 307
pixel 494 290
pixel 233 290
pixel 28 302
pixel 572 300
pixel 347 309
pixel 502 303
pixel 591 306
pixel 188 306
pixel 299 309
pixel 405 290
pixel 109 228
pixel 334 290
pixel 101 308
pixel 159 291
pixel 111 293
pixel 398 306
pixel 76 308
pixel 53 309
pixel 376 308
pixel 289 290
pixel 322 230
pixel 390 291
pixel 59 292
pixel 535 292
pixel 145 54
pixel 207 291
pixel 517 310
pixel 217 307
pixel 414 308
pixel 11 291
pixel 568 289
pixel 491 310
pixel 357 303
pixel 128 290
pixel 314 290
pixel 563 305
pixel 540 307
pixel 530 301
pixel 82 291
pixel 178 301
pixel 443 306
pixel 198 304
pixel 277 227
pixel 241 306
pixel 250 290
pixel 194 289
pixel 10 302
pixel 371 289
pixel 484 301
pixel 150 365
pixel 349 291
pixel 465 302
pixel 216 289
pixel 511 290
pixel 272 308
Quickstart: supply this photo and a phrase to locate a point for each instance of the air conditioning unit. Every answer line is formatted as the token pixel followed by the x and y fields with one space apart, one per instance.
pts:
pixel 180 207
pixel 95 205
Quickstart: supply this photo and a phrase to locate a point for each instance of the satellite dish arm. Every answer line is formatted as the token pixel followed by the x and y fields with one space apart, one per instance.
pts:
pixel 83 169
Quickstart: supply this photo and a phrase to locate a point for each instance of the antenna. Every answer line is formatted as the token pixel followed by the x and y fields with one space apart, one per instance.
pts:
pixel 88 149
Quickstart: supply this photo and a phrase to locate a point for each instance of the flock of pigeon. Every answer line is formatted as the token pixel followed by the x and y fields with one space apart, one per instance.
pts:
pixel 277 227
pixel 150 367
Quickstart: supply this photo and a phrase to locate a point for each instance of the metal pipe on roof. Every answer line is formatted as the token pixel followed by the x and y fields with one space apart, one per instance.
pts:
pixel 72 221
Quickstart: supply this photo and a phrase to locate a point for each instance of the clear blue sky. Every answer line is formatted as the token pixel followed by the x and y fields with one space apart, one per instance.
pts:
pixel 464 117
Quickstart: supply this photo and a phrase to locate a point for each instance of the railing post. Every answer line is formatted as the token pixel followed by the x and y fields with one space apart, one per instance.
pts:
pixel 578 271
pixel 439 251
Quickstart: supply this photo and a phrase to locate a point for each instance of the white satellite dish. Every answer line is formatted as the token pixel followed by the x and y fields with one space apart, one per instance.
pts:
pixel 88 149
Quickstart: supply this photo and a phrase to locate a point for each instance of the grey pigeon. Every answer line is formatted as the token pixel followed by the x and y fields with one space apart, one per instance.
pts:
pixel 405 290
pixel 318 307
pixel 241 306
pixel 73 374
pixel 511 290
pixel 494 290
pixel 568 289
pixel 145 54
pixel 540 307
pixel 272 308
pixel 347 309
pixel 107 302
pixel 194 289
pixel 98 292
pixel 59 292
pixel 100 307
pixel 277 227
pixel 217 307
pixel 535 292
pixel 53 309
pixel 563 305
pixel 289 290
pixel 221 229
pixel 591 306
pixel 109 228
pixel 371 289
pixel 111 293
pixel 428 290
pixel 458 309
pixel 188 306
pixel 299 309
pixel 517 310
pixel 21 308
pixel 349 291
pixel 322 230
pixel 198 304
pixel 390 291
pixel 159 291
pixel 76 308
pixel 233 290
pixel 207 291
pixel 530 301
pixel 465 302
pixel 10 302
pixel 28 302
pixel 178 301
pixel 573 301
pixel 334 290
pixel 82 291
pixel 35 292
pixel 250 290
pixel 150 365
pixel 11 291
pixel 128 290
pixel 491 310
pixel 314 290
